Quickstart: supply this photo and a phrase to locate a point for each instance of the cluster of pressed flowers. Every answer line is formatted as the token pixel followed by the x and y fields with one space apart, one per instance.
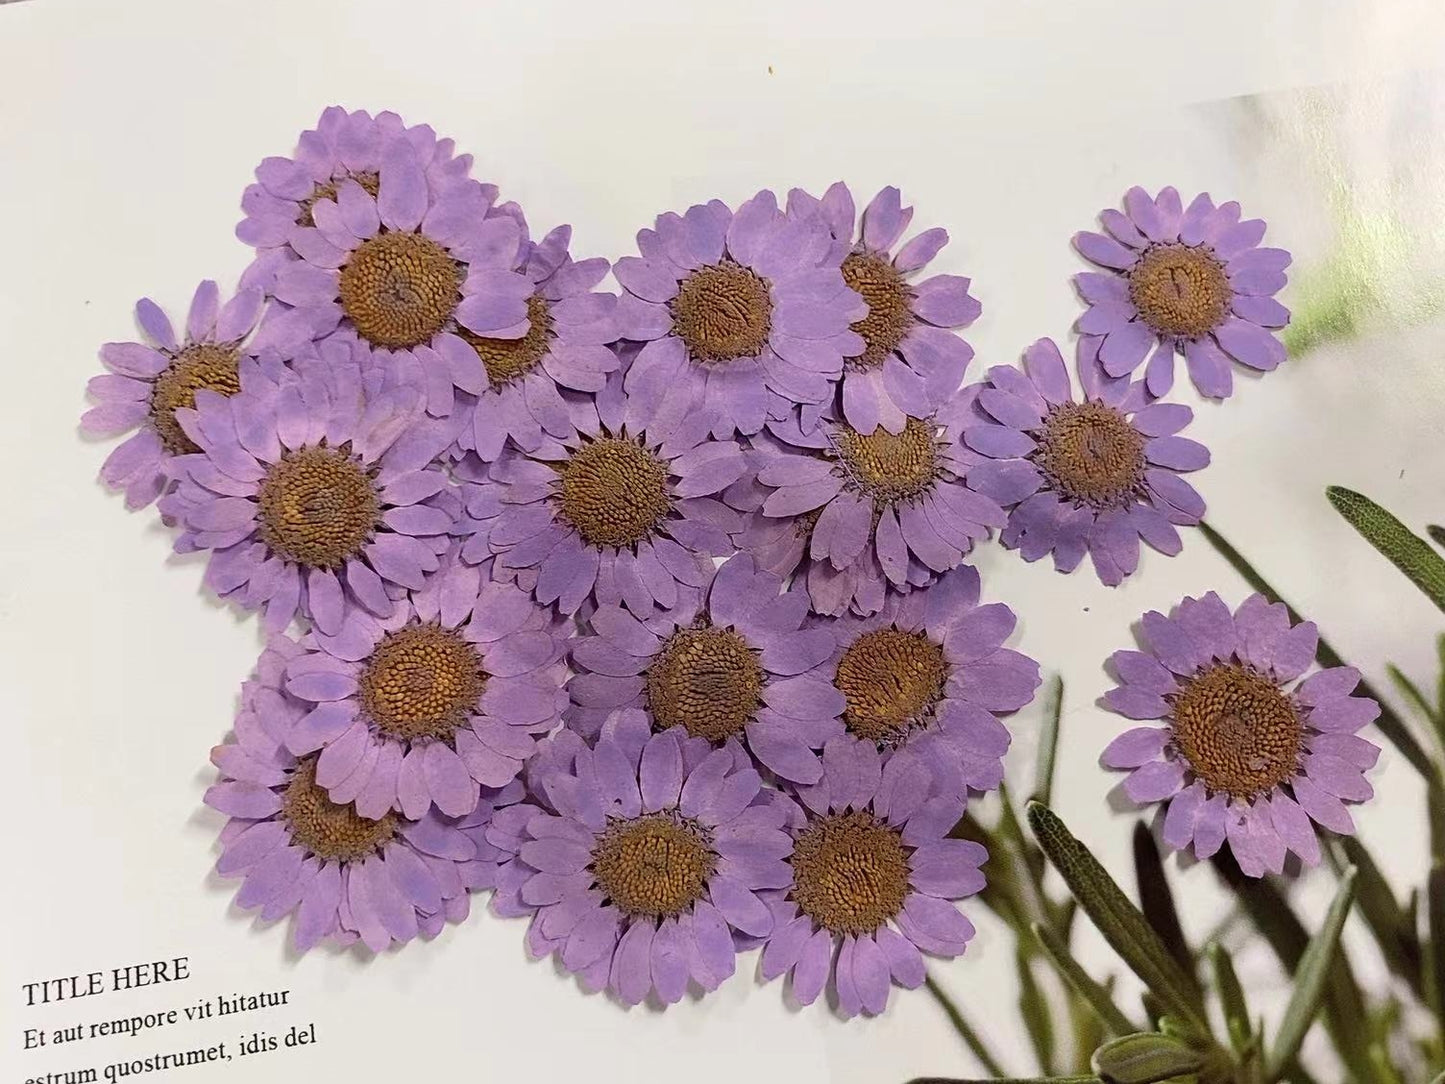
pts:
pixel 647 611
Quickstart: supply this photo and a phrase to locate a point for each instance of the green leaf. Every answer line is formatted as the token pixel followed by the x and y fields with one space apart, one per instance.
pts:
pixel 1411 692
pixel 1389 724
pixel 1093 994
pixel 1157 901
pixel 1309 982
pixel 1034 1008
pixel 1145 1059
pixel 1049 742
pixel 1009 1080
pixel 1382 914
pixel 1436 533
pixel 1440 688
pixel 972 1039
pixel 1406 550
pixel 1435 926
pixel 1231 997
pixel 1121 923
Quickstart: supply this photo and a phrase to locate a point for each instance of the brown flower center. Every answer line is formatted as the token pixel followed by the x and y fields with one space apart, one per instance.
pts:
pixel 890 467
pixel 850 873
pixel 706 680
pixel 721 312
pixel 328 830
pixel 422 681
pixel 318 506
pixel 889 314
pixel 1180 290
pixel 890 679
pixel 1240 734
pixel 369 181
pixel 201 365
pixel 507 359
pixel 399 289
pixel 614 492
pixel 656 865
pixel 1091 454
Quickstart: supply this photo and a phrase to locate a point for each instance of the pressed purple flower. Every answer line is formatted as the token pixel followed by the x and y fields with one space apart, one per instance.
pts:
pixel 1244 755
pixel 149 381
pixel 344 877
pixel 1192 280
pixel 929 674
pixel 344 146
pixel 733 306
pixel 619 511
pixel 878 511
pixel 646 861
pixel 910 363
pixel 872 880
pixel 315 494
pixel 1091 477
pixel 737 669
pixel 433 704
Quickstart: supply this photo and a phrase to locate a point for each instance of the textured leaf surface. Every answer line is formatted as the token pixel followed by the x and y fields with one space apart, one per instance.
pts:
pixel 1410 553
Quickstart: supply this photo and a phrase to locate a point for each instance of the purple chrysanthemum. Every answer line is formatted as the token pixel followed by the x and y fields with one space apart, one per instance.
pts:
pixel 149 381
pixel 865 513
pixel 910 363
pixel 316 493
pixel 739 668
pixel 344 146
pixel 1190 280
pixel 733 306
pixel 620 510
pixel 345 877
pixel 872 880
pixel 433 704
pixel 1240 756
pixel 929 673
pixel 647 859
pixel 1081 477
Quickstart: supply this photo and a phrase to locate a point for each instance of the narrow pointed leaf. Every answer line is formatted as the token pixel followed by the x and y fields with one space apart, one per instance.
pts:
pixel 1436 533
pixel 1010 1080
pixel 1034 1008
pixel 1049 742
pixel 1435 926
pixel 1435 815
pixel 1406 550
pixel 1093 995
pixel 1145 1059
pixel 1157 901
pixel 1310 980
pixel 1231 997
pixel 1382 913
pixel 1440 688
pixel 1121 923
pixel 1411 692
pixel 971 1038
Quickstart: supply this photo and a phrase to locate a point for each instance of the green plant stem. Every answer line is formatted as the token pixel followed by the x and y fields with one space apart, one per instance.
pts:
pixel 965 1030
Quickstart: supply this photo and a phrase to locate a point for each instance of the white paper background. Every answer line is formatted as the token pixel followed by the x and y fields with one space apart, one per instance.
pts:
pixel 127 131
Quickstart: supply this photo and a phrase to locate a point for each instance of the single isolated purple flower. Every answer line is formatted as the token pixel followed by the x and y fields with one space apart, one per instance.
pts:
pixel 344 146
pixel 433 704
pixel 315 493
pixel 737 669
pixel 1244 755
pixel 149 381
pixel 1191 280
pixel 646 861
pixel 1081 477
pixel 621 510
pixel 862 513
pixel 910 363
pixel 929 673
pixel 733 306
pixel 345 877
pixel 873 877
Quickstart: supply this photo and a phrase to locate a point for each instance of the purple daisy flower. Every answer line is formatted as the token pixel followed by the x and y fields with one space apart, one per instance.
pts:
pixel 929 674
pixel 872 878
pixel 621 510
pixel 343 876
pixel 513 385
pixel 1082 477
pixel 433 704
pixel 149 381
pixel 344 146
pixel 316 493
pixel 910 363
pixel 1189 280
pixel 1243 756
pixel 733 306
pixel 877 511
pixel 648 863
pixel 409 270
pixel 740 668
